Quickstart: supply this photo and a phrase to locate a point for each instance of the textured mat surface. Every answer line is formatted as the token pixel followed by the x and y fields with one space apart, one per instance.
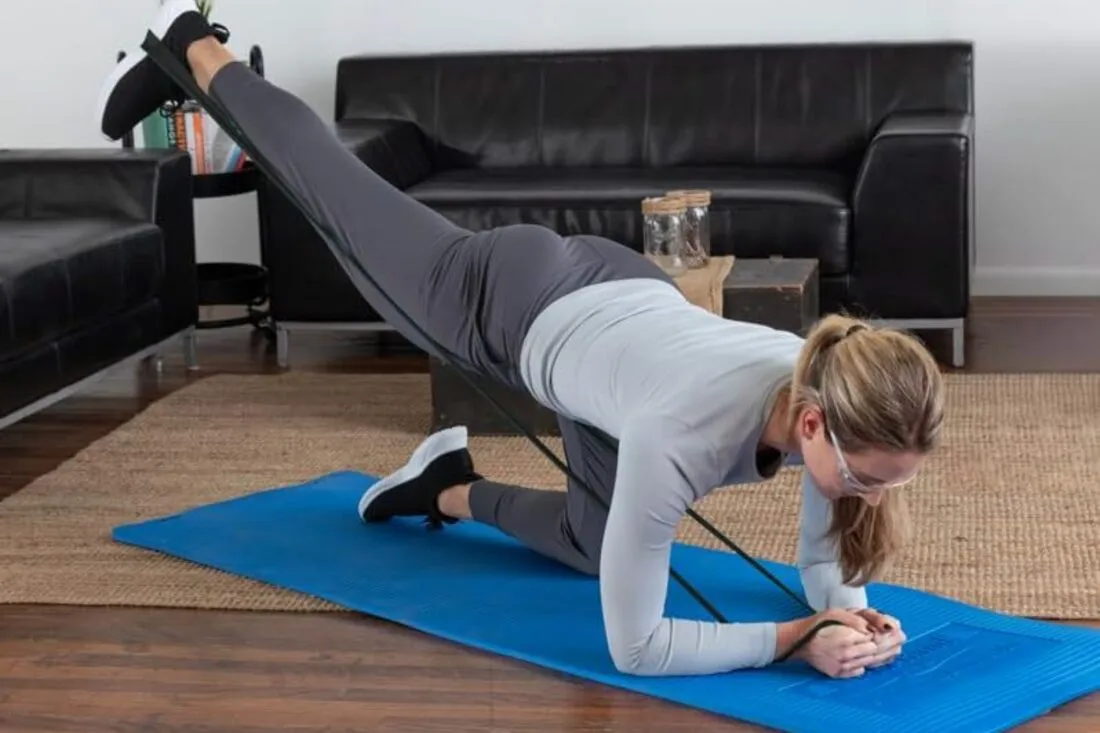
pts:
pixel 964 669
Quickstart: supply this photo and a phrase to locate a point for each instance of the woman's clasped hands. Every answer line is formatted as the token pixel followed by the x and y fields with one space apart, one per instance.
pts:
pixel 858 640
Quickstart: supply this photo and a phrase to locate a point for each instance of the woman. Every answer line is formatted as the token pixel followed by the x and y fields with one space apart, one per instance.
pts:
pixel 659 402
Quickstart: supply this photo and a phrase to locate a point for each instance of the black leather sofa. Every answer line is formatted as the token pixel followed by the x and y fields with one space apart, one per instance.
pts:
pixel 858 155
pixel 97 267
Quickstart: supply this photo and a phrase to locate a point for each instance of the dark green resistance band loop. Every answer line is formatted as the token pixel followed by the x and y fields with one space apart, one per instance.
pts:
pixel 182 77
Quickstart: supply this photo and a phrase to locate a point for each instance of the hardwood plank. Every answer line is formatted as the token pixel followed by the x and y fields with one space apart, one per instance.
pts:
pixel 93 670
pixel 117 669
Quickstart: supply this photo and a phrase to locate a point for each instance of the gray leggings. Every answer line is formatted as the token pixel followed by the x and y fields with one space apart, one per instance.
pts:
pixel 475 294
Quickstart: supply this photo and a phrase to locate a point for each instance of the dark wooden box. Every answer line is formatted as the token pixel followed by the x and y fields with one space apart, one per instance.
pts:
pixel 782 293
pixel 777 292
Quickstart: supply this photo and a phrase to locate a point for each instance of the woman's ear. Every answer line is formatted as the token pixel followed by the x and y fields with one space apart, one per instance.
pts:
pixel 810 421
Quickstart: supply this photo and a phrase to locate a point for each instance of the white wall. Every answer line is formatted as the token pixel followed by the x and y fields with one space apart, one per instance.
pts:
pixel 1038 88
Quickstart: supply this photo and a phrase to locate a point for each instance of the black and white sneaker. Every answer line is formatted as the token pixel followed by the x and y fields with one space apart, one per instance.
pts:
pixel 137 87
pixel 438 463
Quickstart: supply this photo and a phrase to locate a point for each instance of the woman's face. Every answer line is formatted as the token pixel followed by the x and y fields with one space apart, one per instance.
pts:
pixel 867 474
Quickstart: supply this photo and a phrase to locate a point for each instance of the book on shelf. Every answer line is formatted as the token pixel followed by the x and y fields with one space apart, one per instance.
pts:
pixel 189 127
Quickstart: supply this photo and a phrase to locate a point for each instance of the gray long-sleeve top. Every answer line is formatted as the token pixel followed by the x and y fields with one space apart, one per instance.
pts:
pixel 688 394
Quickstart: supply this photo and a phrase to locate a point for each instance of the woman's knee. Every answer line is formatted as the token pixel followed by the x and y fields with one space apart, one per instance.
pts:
pixel 582 548
pixel 587 563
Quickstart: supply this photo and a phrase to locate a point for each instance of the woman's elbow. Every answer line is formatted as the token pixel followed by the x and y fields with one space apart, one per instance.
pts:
pixel 631 664
pixel 632 659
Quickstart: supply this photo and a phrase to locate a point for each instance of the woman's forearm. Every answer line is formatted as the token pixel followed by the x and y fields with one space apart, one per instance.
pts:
pixel 822 580
pixel 789 633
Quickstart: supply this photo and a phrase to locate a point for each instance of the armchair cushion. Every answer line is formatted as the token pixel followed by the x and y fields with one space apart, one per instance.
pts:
pixel 127 187
pixel 60 275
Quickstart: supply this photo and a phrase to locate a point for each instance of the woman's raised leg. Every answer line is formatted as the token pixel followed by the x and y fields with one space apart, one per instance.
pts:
pixel 414 254
pixel 441 286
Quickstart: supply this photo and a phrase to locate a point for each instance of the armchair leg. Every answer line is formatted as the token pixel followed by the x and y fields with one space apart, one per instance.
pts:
pixel 958 345
pixel 154 362
pixel 190 349
pixel 957 326
pixel 282 345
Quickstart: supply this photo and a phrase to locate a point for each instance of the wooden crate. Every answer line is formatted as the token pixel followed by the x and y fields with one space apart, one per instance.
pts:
pixel 777 292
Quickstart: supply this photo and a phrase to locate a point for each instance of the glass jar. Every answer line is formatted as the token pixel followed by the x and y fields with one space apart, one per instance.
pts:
pixel 696 226
pixel 663 233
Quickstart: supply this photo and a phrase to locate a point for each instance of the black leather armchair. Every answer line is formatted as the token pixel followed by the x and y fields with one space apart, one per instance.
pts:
pixel 857 155
pixel 97 267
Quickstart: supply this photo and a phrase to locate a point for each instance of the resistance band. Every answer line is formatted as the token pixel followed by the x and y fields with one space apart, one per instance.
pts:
pixel 164 58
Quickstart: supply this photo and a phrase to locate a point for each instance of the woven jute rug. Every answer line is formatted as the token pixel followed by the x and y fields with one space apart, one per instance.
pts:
pixel 1007 515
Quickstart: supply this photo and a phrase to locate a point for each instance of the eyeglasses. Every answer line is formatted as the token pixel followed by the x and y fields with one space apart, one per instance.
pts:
pixel 855 484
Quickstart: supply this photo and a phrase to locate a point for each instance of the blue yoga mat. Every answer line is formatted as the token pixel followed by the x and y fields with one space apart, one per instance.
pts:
pixel 964 669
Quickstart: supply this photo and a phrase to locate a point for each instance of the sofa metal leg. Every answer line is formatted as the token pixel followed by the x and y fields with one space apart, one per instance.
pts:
pixel 957 326
pixel 282 345
pixel 190 349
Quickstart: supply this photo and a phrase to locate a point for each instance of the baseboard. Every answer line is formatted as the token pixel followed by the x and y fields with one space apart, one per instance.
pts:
pixel 1036 281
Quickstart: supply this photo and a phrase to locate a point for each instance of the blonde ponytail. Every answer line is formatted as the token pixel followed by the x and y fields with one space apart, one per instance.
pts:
pixel 878 388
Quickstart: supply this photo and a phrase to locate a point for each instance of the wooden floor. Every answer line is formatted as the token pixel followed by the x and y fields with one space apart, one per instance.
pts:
pixel 77 670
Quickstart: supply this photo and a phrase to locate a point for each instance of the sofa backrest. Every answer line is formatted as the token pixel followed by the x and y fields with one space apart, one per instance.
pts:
pixel 808 105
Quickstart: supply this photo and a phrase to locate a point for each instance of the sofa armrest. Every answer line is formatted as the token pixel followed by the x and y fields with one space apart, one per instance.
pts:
pixel 949 124
pixel 913 219
pixel 109 183
pixel 394 149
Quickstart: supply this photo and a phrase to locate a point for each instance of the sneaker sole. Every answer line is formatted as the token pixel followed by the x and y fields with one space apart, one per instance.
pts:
pixel 166 16
pixel 432 447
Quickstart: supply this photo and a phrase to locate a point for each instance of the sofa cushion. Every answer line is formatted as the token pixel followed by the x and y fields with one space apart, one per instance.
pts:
pixel 60 275
pixel 755 212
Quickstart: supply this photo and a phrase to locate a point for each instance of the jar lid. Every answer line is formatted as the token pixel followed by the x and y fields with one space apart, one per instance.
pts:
pixel 692 197
pixel 663 205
